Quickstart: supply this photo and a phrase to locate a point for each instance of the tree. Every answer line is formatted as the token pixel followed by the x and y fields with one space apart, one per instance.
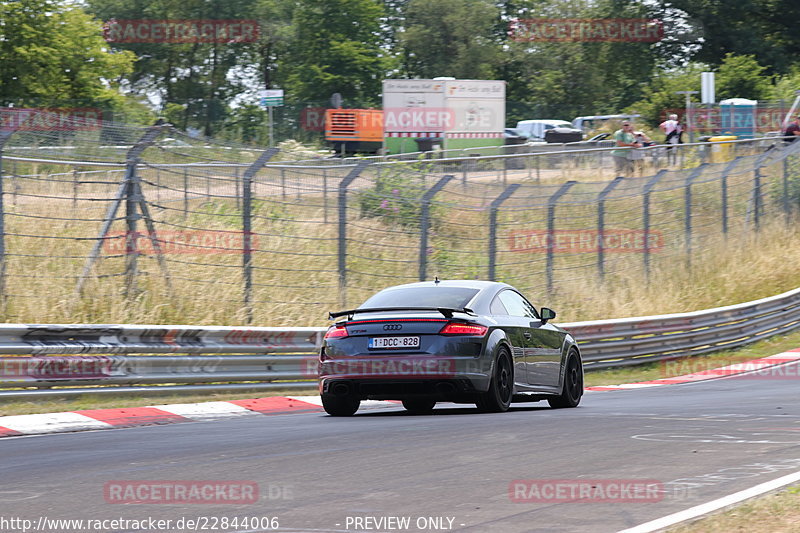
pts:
pixel 764 28
pixel 450 38
pixel 565 79
pixel 335 47
pixel 202 77
pixel 52 54
pixel 736 77
pixel 742 77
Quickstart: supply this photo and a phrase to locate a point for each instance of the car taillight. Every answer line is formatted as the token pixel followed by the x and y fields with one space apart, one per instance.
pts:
pixel 336 332
pixel 460 328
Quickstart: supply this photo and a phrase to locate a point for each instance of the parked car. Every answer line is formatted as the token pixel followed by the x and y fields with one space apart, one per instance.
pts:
pixel 513 133
pixel 593 122
pixel 478 342
pixel 535 130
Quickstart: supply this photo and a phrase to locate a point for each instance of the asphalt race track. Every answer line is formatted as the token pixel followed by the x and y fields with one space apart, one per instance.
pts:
pixel 452 470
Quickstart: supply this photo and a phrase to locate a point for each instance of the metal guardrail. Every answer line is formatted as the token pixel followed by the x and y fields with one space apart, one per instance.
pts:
pixel 255 359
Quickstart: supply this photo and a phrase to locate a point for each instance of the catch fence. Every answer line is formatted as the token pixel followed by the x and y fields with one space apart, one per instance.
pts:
pixel 131 224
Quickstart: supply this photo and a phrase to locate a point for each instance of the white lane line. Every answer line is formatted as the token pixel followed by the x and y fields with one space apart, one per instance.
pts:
pixel 51 423
pixel 314 400
pixel 715 505
pixel 204 409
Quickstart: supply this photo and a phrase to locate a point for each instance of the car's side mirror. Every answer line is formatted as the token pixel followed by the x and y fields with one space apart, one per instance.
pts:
pixel 547 314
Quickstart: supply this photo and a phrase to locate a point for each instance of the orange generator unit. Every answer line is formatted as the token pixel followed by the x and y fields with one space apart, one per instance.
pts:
pixel 353 131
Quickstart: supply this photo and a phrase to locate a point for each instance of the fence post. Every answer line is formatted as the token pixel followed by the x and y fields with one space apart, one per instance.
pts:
pixel 131 216
pixel 601 224
pixel 424 223
pixel 236 187
pixel 757 207
pixel 4 136
pixel 133 199
pixel 724 192
pixel 786 208
pixel 756 197
pixel 185 193
pixel 247 229
pixel 346 181
pixel 325 195
pixel 687 210
pixel 551 223
pixel 495 205
pixel 648 188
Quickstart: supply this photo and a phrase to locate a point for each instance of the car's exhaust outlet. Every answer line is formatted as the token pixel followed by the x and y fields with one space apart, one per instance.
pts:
pixel 340 389
pixel 445 388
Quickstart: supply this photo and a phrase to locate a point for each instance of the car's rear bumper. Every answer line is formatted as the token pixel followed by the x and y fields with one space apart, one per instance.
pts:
pixel 399 376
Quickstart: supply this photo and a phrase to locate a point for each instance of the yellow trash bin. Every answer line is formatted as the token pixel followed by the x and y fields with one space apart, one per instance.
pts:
pixel 722 151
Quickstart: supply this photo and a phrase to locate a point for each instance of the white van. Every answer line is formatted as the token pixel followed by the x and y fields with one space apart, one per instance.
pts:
pixel 534 129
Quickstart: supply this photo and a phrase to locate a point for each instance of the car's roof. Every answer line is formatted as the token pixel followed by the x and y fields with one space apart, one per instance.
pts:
pixel 543 121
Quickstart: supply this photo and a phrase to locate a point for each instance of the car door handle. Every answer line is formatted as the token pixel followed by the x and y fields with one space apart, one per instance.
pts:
pixel 527 335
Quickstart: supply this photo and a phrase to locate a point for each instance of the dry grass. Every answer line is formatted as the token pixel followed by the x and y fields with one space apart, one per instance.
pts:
pixel 774 513
pixel 295 266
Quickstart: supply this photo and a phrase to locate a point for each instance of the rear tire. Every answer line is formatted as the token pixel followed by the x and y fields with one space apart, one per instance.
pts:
pixel 419 406
pixel 340 405
pixel 572 389
pixel 501 387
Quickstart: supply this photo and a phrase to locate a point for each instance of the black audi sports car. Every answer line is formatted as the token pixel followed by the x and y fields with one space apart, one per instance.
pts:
pixel 475 342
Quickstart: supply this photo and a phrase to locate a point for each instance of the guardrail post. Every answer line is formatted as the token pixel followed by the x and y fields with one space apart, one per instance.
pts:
pixel 551 223
pixel 495 205
pixel 687 210
pixel 351 176
pixel 247 228
pixel 724 192
pixel 648 188
pixel 601 216
pixel 424 223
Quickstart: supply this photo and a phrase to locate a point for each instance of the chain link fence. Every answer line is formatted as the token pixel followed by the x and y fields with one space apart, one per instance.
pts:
pixel 123 223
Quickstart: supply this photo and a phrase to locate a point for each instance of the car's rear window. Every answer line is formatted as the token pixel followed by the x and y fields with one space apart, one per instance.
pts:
pixel 455 297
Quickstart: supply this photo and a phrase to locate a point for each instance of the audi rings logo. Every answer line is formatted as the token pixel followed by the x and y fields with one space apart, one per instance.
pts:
pixel 392 327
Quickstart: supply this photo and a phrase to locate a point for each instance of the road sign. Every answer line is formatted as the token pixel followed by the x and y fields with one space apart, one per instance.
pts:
pixel 271 98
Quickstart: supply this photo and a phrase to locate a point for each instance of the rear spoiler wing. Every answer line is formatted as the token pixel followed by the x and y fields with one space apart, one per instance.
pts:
pixel 446 311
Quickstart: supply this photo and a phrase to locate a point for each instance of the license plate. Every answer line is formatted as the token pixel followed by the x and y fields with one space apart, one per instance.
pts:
pixel 394 342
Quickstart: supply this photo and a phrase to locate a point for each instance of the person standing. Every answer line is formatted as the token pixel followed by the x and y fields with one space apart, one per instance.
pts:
pixel 672 128
pixel 625 141
pixel 792 131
